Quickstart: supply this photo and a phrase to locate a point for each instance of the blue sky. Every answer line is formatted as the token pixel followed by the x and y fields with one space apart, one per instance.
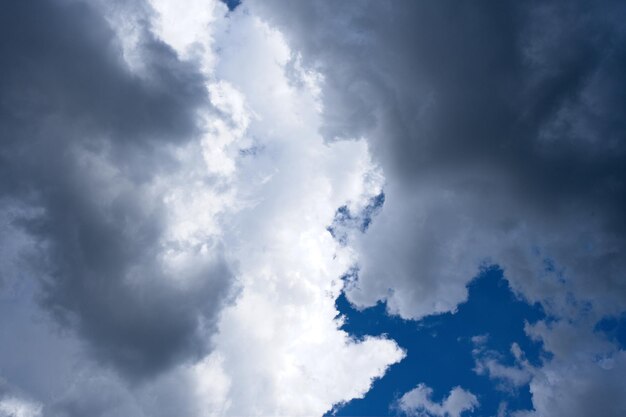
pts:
pixel 232 4
pixel 439 348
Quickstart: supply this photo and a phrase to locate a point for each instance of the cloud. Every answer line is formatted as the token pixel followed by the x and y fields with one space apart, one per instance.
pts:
pixel 470 111
pixel 167 191
pixel 87 148
pixel 499 133
pixel 584 375
pixel 13 404
pixel 489 363
pixel 157 183
pixel 417 402
pixel 579 376
pixel 15 407
pixel 279 347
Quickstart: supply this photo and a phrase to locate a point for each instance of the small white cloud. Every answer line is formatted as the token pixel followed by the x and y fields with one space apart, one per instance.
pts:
pixel 417 402
pixel 488 362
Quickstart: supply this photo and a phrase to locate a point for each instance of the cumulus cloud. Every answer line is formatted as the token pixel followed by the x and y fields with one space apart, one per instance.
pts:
pixel 89 148
pixel 488 362
pixel 471 116
pixel 417 402
pixel 581 376
pixel 159 203
pixel 584 375
pixel 181 189
pixel 279 345
pixel 498 129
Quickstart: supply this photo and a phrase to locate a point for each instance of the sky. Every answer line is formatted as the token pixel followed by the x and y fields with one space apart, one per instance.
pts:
pixel 321 208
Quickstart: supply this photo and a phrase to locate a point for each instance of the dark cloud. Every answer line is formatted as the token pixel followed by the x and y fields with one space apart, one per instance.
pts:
pixel 500 129
pixel 489 119
pixel 62 60
pixel 83 138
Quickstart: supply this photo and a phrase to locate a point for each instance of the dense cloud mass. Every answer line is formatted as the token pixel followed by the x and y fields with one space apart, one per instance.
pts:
pixel 182 189
pixel 499 130
pixel 82 151
pixel 160 220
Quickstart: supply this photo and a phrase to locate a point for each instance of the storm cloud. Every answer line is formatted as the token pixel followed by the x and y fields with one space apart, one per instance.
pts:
pixel 83 141
pixel 499 130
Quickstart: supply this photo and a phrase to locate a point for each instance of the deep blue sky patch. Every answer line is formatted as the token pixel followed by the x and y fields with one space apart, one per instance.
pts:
pixel 614 328
pixel 439 348
pixel 232 4
pixel 345 220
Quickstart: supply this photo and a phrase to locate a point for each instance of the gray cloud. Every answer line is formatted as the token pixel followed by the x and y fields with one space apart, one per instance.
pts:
pixel 499 130
pixel 499 127
pixel 84 138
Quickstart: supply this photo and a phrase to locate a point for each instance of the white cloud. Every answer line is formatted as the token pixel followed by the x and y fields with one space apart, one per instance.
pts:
pixel 189 29
pixel 417 402
pixel 16 407
pixel 275 187
pixel 279 347
pixel 488 362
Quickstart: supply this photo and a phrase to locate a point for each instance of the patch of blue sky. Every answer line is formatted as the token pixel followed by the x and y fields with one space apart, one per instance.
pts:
pixel 345 220
pixel 232 4
pixel 439 348
pixel 614 329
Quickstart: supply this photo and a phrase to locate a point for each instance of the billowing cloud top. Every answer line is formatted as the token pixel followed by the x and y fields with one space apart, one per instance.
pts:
pixel 182 189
